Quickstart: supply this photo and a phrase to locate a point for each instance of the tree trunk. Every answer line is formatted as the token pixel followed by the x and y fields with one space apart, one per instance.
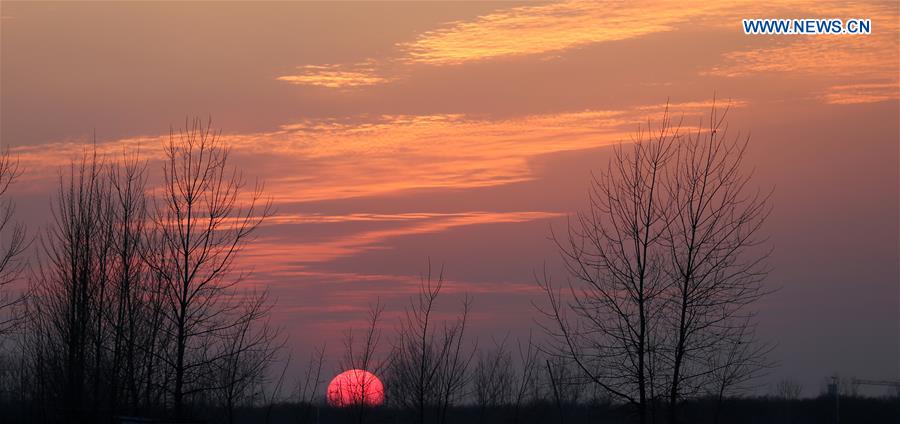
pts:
pixel 179 371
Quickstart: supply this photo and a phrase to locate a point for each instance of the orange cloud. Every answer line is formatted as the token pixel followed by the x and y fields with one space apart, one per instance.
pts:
pixel 433 151
pixel 336 76
pixel 336 159
pixel 553 27
pixel 516 31
pixel 862 93
pixel 833 56
pixel 548 28
pixel 860 68
pixel 281 251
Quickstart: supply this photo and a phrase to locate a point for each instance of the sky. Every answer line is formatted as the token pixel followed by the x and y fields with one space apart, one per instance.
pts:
pixel 391 134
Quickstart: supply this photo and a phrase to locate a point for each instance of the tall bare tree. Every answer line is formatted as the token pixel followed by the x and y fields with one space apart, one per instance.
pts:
pixel 95 321
pixel 504 383
pixel 613 253
pixel 735 364
pixel 665 264
pixel 429 361
pixel 493 379
pixel 308 384
pixel 788 389
pixel 365 355
pixel 127 313
pixel 527 379
pixel 712 235
pixel 14 243
pixel 249 347
pixel 203 219
pixel 70 291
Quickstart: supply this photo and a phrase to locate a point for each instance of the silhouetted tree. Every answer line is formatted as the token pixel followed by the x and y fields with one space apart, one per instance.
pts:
pixel 713 220
pixel 739 360
pixel 429 364
pixel 526 382
pixel 788 389
pixel 505 381
pixel 615 255
pixel 364 357
pixel 665 264
pixel 249 346
pixel 492 378
pixel 71 290
pixel 203 219
pixel 13 245
pixel 132 311
pixel 308 384
pixel 128 313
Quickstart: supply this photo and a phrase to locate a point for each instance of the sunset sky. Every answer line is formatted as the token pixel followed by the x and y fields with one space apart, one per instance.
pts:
pixel 388 133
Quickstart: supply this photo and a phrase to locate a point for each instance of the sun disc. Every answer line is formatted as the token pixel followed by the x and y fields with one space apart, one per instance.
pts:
pixel 355 387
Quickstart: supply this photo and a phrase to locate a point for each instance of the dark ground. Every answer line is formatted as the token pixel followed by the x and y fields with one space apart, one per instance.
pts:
pixel 852 410
pixel 821 410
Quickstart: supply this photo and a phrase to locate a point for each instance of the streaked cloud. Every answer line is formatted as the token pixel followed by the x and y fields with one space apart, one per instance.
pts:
pixel 862 93
pixel 285 257
pixel 544 29
pixel 369 156
pixel 856 68
pixel 548 28
pixel 336 76
pixel 343 299
pixel 832 56
pixel 449 151
pixel 553 27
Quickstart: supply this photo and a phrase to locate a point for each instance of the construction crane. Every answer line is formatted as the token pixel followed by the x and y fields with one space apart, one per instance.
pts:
pixel 864 382
pixel 834 389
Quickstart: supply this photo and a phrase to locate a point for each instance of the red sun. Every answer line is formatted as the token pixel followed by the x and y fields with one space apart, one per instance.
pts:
pixel 355 387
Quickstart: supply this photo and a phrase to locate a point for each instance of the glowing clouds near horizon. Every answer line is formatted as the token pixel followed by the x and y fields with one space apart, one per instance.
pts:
pixel 355 387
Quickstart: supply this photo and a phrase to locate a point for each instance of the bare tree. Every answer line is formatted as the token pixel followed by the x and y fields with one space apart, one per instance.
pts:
pixel 493 378
pixel 712 228
pixel 665 264
pixel 504 382
pixel 614 254
pixel 95 321
pixel 528 376
pixel 70 291
pixel 454 372
pixel 249 347
pixel 309 383
pixel 738 361
pixel 429 364
pixel 203 220
pixel 154 338
pixel 12 245
pixel 129 280
pixel 132 311
pixel 12 236
pixel 788 389
pixel 565 381
pixel 366 358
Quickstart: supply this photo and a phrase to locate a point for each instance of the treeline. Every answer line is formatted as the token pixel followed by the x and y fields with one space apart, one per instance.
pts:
pixel 133 306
